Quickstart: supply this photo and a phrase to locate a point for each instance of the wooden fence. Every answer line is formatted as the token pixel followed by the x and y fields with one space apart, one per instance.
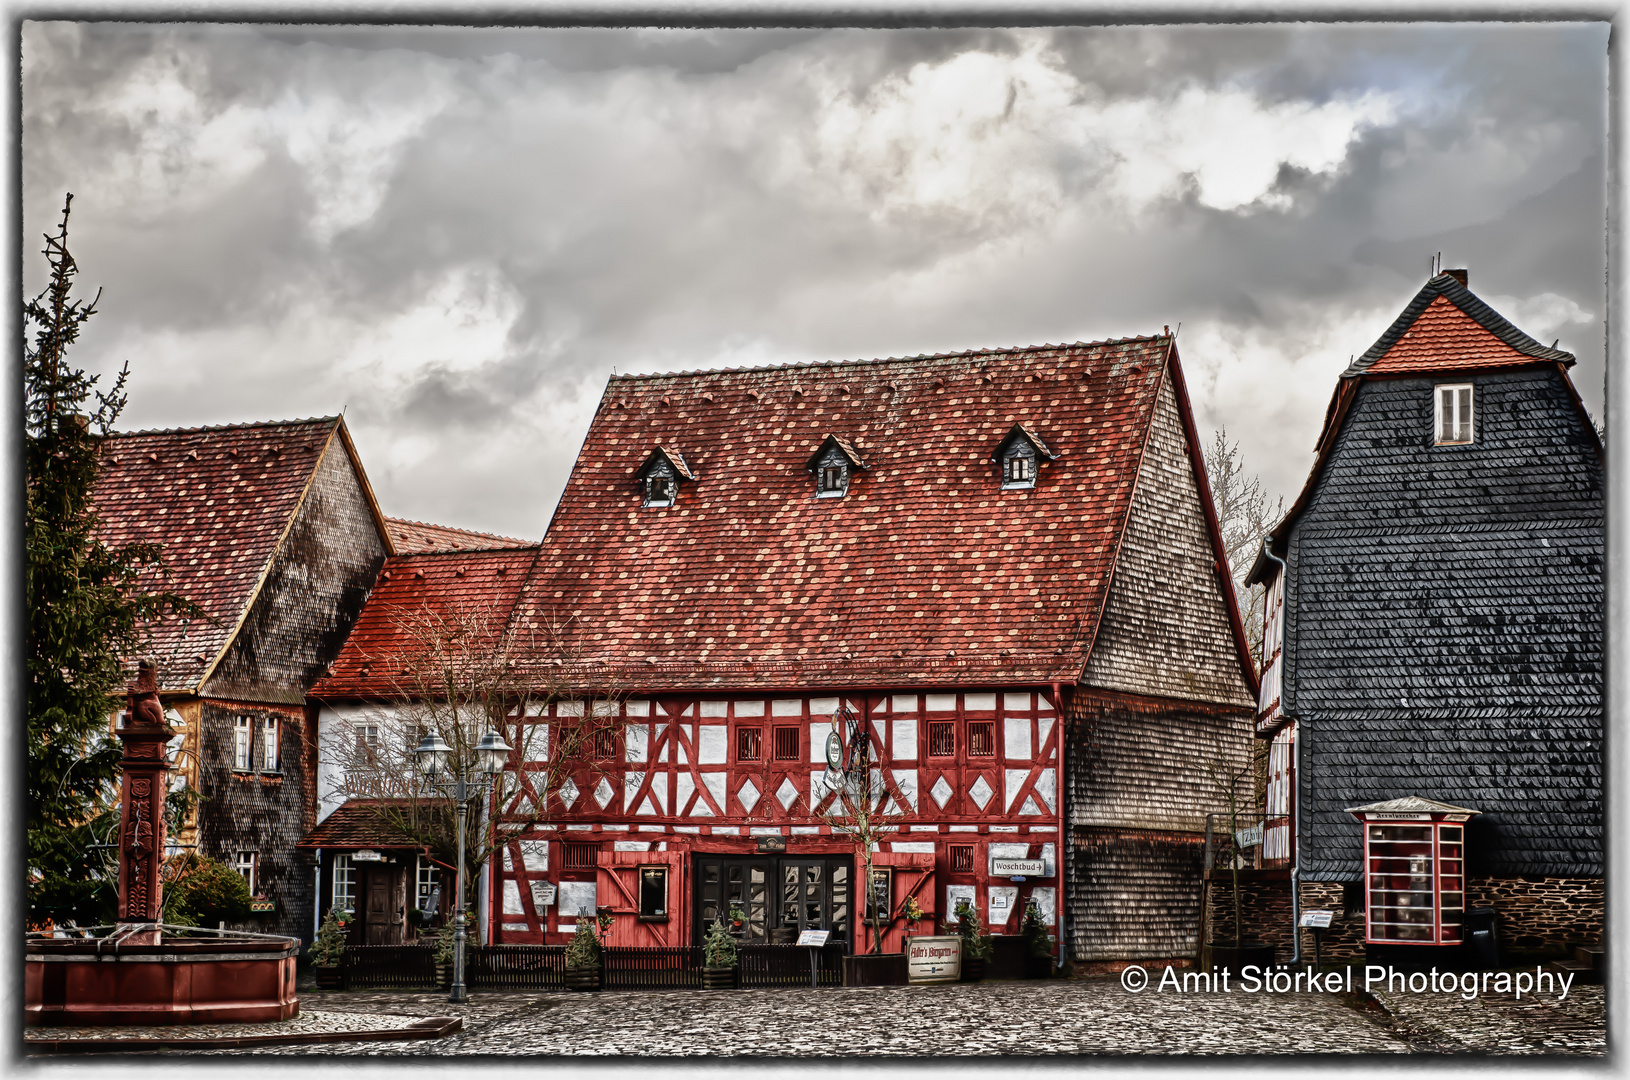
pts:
pixel 543 967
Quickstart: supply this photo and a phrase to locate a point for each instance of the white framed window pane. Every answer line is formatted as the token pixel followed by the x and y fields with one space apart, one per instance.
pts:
pixel 345 883
pixel 244 864
pixel 240 744
pixel 1463 414
pixel 268 754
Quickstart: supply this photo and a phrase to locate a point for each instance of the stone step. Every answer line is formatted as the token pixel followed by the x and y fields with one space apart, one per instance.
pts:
pixel 1594 955
pixel 1581 971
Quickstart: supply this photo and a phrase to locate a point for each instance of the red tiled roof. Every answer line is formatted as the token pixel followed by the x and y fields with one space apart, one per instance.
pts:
pixel 418 536
pixel 219 500
pixel 357 824
pixel 483 584
pixel 926 571
pixel 1446 327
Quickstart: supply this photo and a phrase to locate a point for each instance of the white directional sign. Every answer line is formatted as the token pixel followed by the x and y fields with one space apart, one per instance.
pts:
pixel 934 959
pixel 1000 867
pixel 813 937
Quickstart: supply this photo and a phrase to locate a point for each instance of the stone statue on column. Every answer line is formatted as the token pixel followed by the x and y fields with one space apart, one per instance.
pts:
pixel 142 788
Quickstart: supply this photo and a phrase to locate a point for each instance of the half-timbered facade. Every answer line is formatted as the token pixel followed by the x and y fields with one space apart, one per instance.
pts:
pixel 1003 564
pixel 1432 653
pixel 273 530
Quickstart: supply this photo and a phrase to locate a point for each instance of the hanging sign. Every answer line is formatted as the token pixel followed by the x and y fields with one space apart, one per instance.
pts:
pixel 1319 920
pixel 813 937
pixel 934 959
pixel 367 856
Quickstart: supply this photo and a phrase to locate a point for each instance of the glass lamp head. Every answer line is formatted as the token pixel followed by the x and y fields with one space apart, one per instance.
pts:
pixel 491 753
pixel 432 755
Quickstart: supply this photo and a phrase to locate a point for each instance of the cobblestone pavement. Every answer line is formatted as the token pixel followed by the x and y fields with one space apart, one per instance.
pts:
pixel 309 1020
pixel 1047 1018
pixel 1502 1023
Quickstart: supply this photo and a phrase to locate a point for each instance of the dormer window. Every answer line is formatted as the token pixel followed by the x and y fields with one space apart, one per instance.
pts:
pixel 834 462
pixel 1019 455
pixel 1454 413
pixel 660 476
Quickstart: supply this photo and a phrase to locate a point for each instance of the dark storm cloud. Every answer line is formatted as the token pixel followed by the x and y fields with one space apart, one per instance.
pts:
pixel 457 234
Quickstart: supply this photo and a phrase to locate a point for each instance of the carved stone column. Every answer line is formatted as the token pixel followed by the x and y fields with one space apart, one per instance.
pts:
pixel 143 784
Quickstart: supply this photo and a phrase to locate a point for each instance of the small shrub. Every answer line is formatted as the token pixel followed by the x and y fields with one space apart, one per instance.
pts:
pixel 329 948
pixel 583 951
pixel 1034 932
pixel 719 950
pixel 447 937
pixel 204 892
pixel 976 942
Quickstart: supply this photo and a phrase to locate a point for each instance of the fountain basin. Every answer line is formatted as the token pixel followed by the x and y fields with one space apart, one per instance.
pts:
pixel 107 981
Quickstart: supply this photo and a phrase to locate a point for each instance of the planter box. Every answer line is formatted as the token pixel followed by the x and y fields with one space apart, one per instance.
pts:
pixel 719 978
pixel 329 978
pixel 583 978
pixel 1234 958
pixel 973 968
pixel 887 969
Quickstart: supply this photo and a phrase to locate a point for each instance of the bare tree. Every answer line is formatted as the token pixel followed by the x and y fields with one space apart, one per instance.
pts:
pixel 1245 512
pixel 860 804
pixel 458 672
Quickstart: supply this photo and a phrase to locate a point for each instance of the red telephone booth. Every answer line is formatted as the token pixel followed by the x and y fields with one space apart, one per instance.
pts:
pixel 1414 871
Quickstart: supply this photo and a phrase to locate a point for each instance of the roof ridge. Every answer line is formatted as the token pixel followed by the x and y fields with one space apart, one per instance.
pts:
pixel 463 552
pixel 813 364
pixel 223 427
pixel 455 528
pixel 1450 288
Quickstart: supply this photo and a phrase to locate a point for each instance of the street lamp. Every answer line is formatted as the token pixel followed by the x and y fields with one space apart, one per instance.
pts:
pixel 463 780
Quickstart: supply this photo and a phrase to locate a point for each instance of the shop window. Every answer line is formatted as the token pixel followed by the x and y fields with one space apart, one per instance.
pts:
pixel 748 744
pixel 345 883
pixel 941 738
pixel 654 893
pixel 579 856
pixel 241 741
pixel 786 744
pixel 961 858
pixel 880 897
pixel 981 738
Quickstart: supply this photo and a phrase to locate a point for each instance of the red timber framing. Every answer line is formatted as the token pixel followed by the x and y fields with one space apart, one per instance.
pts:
pixel 737 781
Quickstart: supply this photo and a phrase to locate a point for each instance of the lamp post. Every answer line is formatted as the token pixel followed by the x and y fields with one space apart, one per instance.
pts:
pixel 463 780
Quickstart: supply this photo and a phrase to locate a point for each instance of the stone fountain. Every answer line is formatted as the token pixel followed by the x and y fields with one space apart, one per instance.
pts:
pixel 140 970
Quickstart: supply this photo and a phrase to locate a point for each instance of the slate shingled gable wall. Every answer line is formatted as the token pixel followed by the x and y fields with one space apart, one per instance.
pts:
pixel 1444 632
pixel 312 594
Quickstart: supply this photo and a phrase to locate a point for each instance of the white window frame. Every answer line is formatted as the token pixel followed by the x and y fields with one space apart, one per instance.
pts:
pixel 1450 421
pixel 268 744
pixel 242 741
pixel 367 735
pixel 424 880
pixel 344 873
pixel 247 864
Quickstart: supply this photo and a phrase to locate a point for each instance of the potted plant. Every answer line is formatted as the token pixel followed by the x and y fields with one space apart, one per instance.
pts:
pixel 1038 945
pixel 913 913
pixel 583 958
pixel 328 951
pixel 718 958
pixel 738 919
pixel 976 943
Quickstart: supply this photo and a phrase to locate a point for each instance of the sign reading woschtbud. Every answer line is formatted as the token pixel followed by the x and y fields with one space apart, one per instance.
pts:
pixel 1003 867
pixel 934 959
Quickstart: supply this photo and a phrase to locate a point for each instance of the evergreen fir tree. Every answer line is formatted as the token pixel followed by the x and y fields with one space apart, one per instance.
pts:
pixel 86 607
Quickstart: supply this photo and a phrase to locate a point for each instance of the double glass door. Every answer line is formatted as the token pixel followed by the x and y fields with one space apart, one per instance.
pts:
pixel 774 892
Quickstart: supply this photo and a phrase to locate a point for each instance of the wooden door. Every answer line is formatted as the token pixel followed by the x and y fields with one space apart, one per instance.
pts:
pixel 376 905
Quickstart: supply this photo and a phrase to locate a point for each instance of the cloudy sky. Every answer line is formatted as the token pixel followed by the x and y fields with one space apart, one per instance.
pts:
pixel 455 235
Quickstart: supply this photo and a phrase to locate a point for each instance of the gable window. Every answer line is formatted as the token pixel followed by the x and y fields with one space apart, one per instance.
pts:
pixel 241 739
pixel 268 744
pixel 659 477
pixel 834 464
pixel 1454 414
pixel 748 740
pixel 1019 456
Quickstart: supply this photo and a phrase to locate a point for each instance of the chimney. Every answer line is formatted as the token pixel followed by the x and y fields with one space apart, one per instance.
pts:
pixel 1458 275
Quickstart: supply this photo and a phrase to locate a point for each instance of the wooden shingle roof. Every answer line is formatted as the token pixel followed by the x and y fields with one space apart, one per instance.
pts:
pixel 219 500
pixel 927 571
pixel 358 824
